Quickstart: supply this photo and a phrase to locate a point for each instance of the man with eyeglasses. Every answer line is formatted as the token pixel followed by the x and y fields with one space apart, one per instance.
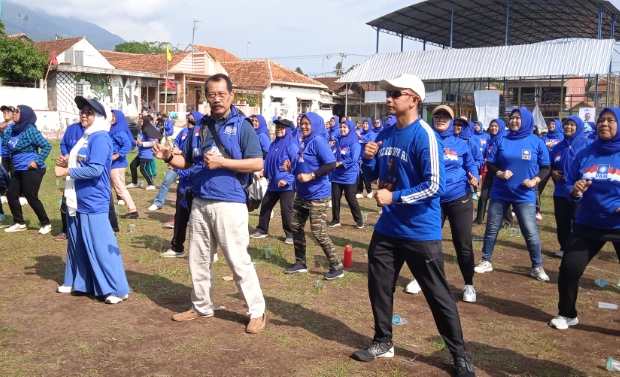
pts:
pixel 219 215
pixel 409 229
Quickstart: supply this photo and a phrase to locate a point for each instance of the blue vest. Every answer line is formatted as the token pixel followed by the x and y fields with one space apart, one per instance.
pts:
pixel 218 184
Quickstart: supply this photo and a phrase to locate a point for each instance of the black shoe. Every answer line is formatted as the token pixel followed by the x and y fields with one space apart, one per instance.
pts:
pixel 359 225
pixel 375 350
pixel 463 367
pixel 477 222
pixel 130 215
pixel 333 223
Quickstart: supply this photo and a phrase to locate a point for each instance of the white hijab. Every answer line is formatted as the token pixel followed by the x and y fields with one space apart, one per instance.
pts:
pixel 99 125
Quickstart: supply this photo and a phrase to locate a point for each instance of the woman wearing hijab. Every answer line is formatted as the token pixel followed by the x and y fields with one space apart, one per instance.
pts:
pixel 554 135
pixel 464 130
pixel 483 137
pixel 562 156
pixel 311 167
pixel 592 180
pixel 333 130
pixel 390 121
pixel 365 136
pixel 519 162
pixel 347 151
pixel 260 125
pixel 280 188
pixel 147 138
pixel 378 127
pixel 497 131
pixel 94 263
pixel 28 150
pixel 456 202
pixel 122 144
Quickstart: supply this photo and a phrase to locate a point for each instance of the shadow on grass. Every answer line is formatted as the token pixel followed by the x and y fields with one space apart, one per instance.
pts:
pixel 154 243
pixel 162 291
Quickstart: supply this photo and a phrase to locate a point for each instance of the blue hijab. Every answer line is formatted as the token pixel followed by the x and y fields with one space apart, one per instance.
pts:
pixel 377 129
pixel 501 132
pixel 467 130
pixel 390 121
pixel 370 126
pixel 318 128
pixel 481 132
pixel 527 124
pixel 351 138
pixel 558 133
pixel 262 125
pixel 120 125
pixel 26 118
pixel 280 145
pixel 572 145
pixel 610 146
pixel 197 117
pixel 447 133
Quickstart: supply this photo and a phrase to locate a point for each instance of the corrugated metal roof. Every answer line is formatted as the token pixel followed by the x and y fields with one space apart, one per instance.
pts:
pixel 580 57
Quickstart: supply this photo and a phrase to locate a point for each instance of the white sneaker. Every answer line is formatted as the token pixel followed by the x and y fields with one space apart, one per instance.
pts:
pixel 413 287
pixel 562 323
pixel 369 195
pixel 483 266
pixel 45 229
pixel 16 228
pixel 330 204
pixel 358 196
pixel 559 254
pixel 23 201
pixel 3 199
pixel 214 258
pixel 151 188
pixel 172 254
pixel 64 289
pixel 539 274
pixel 153 207
pixel 121 202
pixel 115 299
pixel 133 185
pixel 469 293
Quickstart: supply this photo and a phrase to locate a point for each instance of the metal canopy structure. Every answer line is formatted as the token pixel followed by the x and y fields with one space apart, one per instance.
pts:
pixel 506 62
pixel 481 23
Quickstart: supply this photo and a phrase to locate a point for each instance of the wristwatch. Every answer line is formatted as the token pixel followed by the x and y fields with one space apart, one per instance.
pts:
pixel 313 175
pixel 167 160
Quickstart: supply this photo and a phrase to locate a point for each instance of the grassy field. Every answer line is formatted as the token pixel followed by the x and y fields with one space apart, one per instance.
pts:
pixel 310 332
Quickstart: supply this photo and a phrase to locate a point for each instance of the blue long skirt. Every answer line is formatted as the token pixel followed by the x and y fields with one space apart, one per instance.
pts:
pixel 94 263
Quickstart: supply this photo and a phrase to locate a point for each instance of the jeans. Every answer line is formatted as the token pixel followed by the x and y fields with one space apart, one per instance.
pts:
pixel 526 215
pixel 170 176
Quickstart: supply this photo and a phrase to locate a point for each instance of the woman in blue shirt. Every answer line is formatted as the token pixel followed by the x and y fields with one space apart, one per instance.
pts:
pixel 347 152
pixel 8 113
pixel 592 180
pixel 281 182
pixel 94 263
pixel 147 138
pixel 483 137
pixel 311 167
pixel 122 144
pixel 519 162
pixel 260 125
pixel 28 150
pixel 365 135
pixel 554 135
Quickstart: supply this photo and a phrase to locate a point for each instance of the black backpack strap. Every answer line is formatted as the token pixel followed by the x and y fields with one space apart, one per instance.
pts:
pixel 222 150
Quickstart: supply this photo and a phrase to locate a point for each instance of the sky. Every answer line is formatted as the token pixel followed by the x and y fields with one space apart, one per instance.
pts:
pixel 319 31
pixel 273 28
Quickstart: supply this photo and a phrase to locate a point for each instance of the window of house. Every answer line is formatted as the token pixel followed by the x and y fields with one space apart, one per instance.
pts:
pixel 121 94
pixel 79 89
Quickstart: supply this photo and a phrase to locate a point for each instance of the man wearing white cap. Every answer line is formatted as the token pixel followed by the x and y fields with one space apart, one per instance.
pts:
pixel 409 229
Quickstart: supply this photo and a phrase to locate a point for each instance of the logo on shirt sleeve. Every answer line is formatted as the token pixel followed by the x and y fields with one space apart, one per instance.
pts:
pixel 526 154
pixel 557 158
pixel 343 151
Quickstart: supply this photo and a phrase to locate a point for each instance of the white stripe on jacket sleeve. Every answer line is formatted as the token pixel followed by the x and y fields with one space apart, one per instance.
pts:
pixel 434 160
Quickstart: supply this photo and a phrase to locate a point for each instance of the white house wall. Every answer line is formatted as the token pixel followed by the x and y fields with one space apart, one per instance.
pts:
pixel 33 97
pixel 126 94
pixel 92 57
pixel 289 108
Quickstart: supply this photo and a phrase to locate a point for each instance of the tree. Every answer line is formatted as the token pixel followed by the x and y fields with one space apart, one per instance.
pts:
pixel 298 70
pixel 338 69
pixel 352 68
pixel 20 61
pixel 144 47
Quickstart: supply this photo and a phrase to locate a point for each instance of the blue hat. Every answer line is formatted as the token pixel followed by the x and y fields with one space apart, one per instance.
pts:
pixel 96 105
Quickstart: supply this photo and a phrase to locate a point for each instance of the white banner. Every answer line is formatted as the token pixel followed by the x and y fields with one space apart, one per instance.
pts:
pixel 374 97
pixel 487 106
pixel 539 119
pixel 434 97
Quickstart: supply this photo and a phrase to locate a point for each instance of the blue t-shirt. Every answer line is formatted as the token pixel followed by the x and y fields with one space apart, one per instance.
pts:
pixel 145 153
pixel 309 159
pixel 524 158
pixel 4 152
pixel 20 160
pixel 121 145
pixel 458 161
pixel 264 141
pixel 93 194
pixel 411 157
pixel 348 172
pixel 73 133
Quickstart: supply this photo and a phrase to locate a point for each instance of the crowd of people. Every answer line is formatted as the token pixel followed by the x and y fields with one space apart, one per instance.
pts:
pixel 424 174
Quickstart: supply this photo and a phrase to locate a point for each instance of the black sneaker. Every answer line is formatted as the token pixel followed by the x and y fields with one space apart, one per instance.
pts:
pixel 130 215
pixel 296 268
pixel 359 225
pixel 334 274
pixel 333 224
pixel 375 350
pixel 463 367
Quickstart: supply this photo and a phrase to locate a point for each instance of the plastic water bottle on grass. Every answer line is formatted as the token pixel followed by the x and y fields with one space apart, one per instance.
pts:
pixel 601 282
pixel 398 320
pixel 613 365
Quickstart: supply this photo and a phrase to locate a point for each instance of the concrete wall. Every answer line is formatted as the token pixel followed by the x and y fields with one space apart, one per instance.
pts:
pixel 289 107
pixel 92 57
pixel 33 97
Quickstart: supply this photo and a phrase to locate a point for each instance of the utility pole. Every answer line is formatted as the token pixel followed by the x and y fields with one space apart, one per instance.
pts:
pixel 194 27
pixel 247 50
pixel 342 56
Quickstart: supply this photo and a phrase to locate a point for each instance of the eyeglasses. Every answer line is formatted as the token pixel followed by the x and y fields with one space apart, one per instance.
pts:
pixel 440 117
pixel 457 124
pixel 87 112
pixel 221 95
pixel 397 93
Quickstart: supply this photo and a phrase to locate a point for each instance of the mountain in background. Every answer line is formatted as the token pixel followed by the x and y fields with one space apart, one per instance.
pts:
pixel 42 26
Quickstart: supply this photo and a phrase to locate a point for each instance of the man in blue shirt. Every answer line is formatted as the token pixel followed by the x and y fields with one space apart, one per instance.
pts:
pixel 219 215
pixel 409 229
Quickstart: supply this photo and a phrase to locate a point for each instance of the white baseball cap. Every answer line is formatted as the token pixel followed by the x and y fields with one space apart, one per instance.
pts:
pixel 401 82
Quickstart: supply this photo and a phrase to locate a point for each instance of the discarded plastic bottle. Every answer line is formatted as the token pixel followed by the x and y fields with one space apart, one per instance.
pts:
pixel 319 284
pixel 267 252
pixel 613 365
pixel 601 282
pixel 398 320
pixel 348 256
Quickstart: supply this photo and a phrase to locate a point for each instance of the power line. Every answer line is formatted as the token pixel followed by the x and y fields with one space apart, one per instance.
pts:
pixel 309 56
